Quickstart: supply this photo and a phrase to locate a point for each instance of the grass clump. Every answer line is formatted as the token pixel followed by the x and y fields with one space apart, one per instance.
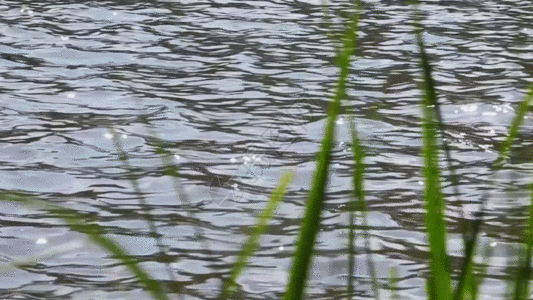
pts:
pixel 440 284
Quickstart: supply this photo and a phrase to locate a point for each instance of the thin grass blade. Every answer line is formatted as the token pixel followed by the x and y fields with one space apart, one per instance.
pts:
pixel 440 282
pixel 482 271
pixel 393 282
pixel 250 246
pixel 95 234
pixel 171 169
pixel 75 221
pixel 361 205
pixel 358 186
pixel 524 273
pixel 518 120
pixel 312 217
pixel 123 156
pixel 351 253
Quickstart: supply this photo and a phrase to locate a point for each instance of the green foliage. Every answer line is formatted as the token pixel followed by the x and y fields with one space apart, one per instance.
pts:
pixel 439 284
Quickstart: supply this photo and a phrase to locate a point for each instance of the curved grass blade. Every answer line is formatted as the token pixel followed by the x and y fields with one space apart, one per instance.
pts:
pixel 5 268
pixel 503 155
pixel 439 284
pixel 469 230
pixel 312 218
pixel 249 247
pixel 95 233
pixel 75 221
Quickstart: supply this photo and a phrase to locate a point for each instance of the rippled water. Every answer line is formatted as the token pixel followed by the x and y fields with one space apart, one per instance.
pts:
pixel 238 91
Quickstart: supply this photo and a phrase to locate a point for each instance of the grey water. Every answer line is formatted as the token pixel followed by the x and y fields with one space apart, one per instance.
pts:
pixel 238 92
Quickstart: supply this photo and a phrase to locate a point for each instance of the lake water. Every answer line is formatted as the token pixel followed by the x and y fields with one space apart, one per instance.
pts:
pixel 238 92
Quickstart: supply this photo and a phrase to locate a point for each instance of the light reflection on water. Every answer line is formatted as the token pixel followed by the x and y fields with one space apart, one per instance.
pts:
pixel 238 93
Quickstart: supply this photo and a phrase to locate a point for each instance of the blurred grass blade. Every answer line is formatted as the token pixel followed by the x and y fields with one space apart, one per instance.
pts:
pixel 523 109
pixel 123 156
pixel 5 268
pixel 466 281
pixel 440 282
pixel 95 233
pixel 249 247
pixel 524 272
pixel 466 275
pixel 351 253
pixel 393 282
pixel 76 222
pixel 478 279
pixel 361 205
pixel 172 170
pixel 357 182
pixel 358 157
pixel 312 218
pixel 469 231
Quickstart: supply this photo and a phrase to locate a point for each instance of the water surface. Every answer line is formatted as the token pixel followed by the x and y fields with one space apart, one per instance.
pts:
pixel 238 92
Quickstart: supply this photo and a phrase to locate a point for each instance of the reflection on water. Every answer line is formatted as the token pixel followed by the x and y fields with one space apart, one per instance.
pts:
pixel 238 92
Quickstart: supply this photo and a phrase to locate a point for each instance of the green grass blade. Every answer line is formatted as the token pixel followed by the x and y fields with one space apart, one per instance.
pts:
pixel 358 186
pixel 523 109
pixel 440 282
pixel 95 233
pixel 478 280
pixel 351 253
pixel 361 205
pixel 466 271
pixel 123 156
pixel 172 170
pixel 249 247
pixel 524 273
pixel 76 222
pixel 393 282
pixel 312 218
pixel 465 283
pixel 5 268
pixel 435 208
